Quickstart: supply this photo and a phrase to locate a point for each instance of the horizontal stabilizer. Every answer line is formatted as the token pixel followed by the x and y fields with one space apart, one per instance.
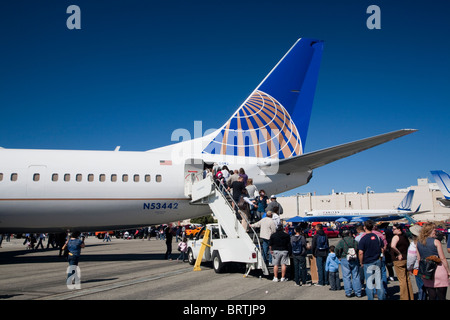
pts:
pixel 316 159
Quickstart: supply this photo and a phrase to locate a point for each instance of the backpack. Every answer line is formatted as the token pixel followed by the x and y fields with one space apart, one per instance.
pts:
pixel 351 253
pixel 297 247
pixel 322 242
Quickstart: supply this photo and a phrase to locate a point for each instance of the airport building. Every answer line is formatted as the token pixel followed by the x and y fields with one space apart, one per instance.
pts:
pixel 425 195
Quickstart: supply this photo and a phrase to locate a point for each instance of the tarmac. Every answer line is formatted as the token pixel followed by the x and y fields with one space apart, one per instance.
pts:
pixel 136 270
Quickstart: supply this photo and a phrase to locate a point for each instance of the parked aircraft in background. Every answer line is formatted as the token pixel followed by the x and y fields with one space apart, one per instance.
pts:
pixel 443 181
pixel 53 190
pixel 403 211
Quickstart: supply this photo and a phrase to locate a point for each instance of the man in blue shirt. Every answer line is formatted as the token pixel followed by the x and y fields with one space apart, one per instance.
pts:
pixel 370 249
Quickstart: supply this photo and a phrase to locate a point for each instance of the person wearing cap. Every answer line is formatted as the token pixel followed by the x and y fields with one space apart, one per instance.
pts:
pixel 274 204
pixel 412 263
pixel 280 248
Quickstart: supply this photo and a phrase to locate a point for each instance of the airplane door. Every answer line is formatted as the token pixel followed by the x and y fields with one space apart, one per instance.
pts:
pixel 36 181
pixel 193 171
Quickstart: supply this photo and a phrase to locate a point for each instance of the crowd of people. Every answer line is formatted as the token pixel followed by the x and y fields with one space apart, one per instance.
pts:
pixel 364 259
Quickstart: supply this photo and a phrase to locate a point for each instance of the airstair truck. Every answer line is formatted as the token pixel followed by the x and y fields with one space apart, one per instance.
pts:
pixel 228 241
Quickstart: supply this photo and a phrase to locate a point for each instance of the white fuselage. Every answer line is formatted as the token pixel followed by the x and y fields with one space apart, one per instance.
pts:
pixel 51 190
pixel 362 213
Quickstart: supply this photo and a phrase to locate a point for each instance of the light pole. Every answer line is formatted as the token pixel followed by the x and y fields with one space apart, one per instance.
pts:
pixel 367 193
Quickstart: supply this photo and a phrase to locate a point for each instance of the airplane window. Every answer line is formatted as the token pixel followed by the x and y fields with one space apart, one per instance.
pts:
pixel 54 177
pixel 125 178
pixel 147 178
pixel 14 176
pixel 102 178
pixel 158 178
pixel 1 176
pixel 67 177
pixel 90 177
pixel 113 177
pixel 79 177
pixel 136 178
pixel 36 177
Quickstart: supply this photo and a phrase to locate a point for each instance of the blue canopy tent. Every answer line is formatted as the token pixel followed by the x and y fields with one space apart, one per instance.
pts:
pixel 296 219
pixel 341 220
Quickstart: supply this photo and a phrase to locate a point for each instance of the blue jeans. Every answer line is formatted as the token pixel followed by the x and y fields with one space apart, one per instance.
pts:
pixel 266 253
pixel 299 269
pixel 323 275
pixel 374 280
pixel 351 276
pixel 421 294
pixel 73 261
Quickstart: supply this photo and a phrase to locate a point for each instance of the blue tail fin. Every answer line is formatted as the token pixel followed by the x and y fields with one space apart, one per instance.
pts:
pixel 273 121
pixel 443 181
pixel 406 202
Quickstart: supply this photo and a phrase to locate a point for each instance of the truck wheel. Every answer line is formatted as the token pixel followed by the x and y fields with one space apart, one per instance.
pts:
pixel 218 265
pixel 191 258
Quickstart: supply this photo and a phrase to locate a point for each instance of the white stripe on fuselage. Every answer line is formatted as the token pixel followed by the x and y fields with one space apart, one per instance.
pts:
pixel 45 204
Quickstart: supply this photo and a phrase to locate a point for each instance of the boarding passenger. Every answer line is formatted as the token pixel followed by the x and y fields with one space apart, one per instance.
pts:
pixel 267 229
pixel 299 251
pixel 319 247
pixel 251 189
pixel 261 204
pixel 237 187
pixel 244 204
pixel 347 251
pixel 243 175
pixel 226 173
pixel 370 250
pixel 429 246
pixel 234 177
pixel 332 267
pixel 280 248
pixel 253 193
pixel 399 252
pixel 275 216
pixel 273 204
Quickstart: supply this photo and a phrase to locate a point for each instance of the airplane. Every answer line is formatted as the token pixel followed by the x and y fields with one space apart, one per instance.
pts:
pixel 443 180
pixel 403 211
pixel 56 190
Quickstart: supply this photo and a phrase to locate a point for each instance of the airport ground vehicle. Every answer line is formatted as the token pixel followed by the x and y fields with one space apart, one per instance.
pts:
pixel 222 251
pixel 192 231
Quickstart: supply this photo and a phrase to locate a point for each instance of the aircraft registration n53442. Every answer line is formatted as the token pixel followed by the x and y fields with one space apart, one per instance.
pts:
pixel 53 190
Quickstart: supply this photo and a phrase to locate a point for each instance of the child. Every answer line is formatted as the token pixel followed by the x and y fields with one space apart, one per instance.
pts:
pixel 182 247
pixel 332 267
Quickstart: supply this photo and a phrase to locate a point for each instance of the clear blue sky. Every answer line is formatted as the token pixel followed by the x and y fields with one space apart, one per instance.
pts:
pixel 137 70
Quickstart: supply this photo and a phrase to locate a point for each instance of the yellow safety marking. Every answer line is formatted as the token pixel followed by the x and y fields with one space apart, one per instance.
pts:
pixel 202 251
